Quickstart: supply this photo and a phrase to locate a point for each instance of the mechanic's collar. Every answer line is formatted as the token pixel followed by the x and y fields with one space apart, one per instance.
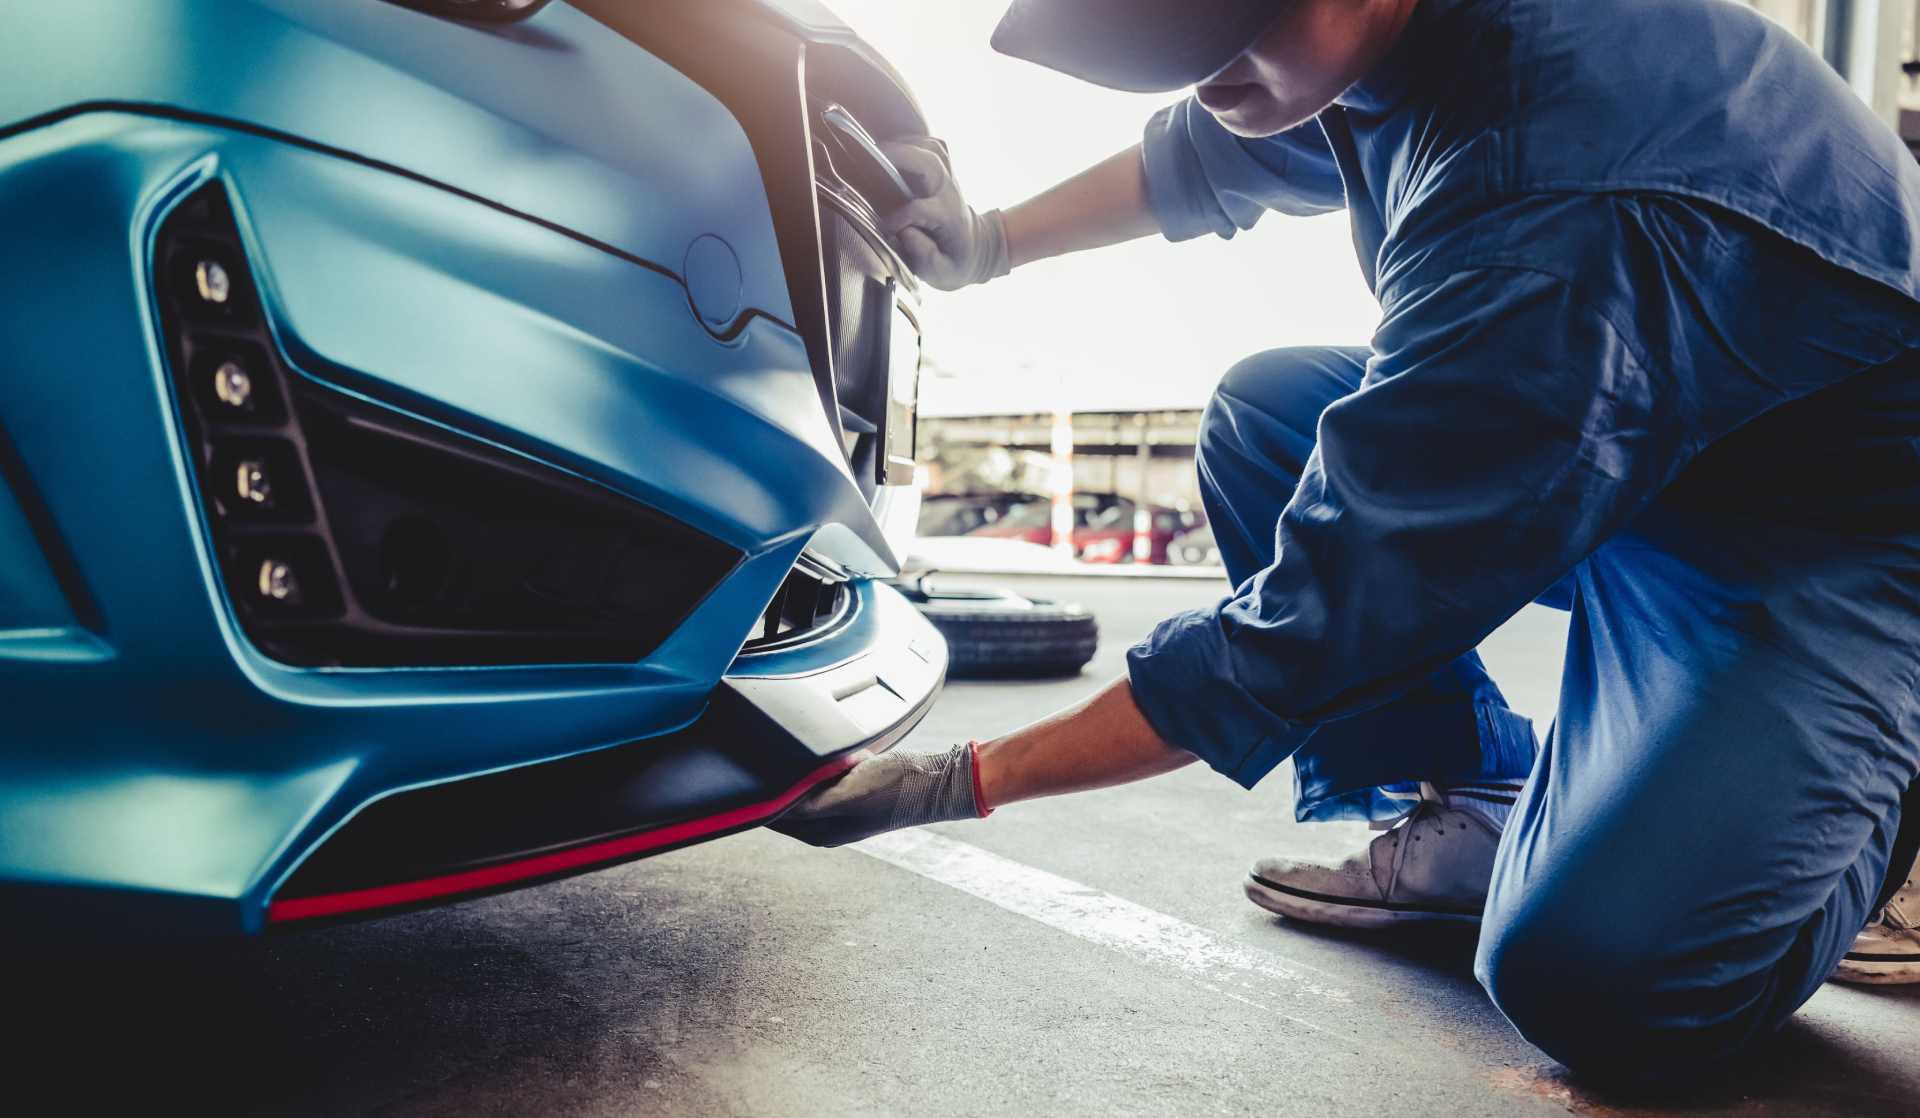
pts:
pixel 1388 83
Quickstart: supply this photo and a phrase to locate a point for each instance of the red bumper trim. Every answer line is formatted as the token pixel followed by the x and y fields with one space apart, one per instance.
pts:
pixel 547 865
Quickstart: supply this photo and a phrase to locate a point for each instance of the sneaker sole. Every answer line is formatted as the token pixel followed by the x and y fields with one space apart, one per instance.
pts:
pixel 1897 970
pixel 1318 908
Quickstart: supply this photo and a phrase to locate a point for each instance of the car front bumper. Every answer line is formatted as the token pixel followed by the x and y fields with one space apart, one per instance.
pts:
pixel 781 723
pixel 159 775
pixel 129 857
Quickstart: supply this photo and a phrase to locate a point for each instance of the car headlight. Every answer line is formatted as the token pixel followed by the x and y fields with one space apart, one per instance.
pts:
pixel 349 533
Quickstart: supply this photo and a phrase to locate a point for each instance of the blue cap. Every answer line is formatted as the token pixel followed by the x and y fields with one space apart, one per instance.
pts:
pixel 1142 46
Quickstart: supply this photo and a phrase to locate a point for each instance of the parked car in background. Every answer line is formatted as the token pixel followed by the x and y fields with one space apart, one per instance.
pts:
pixel 1105 527
pixel 945 514
pixel 1157 532
pixel 1033 521
pixel 444 445
pixel 1195 548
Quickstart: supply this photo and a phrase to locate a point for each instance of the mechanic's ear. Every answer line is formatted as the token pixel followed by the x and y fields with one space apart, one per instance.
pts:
pixel 924 168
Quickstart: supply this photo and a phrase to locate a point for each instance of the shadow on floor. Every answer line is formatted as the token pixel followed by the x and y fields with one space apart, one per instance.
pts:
pixel 1810 1066
pixel 481 1003
pixel 575 994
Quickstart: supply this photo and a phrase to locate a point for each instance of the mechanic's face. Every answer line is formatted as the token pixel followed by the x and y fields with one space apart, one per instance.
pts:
pixel 1312 52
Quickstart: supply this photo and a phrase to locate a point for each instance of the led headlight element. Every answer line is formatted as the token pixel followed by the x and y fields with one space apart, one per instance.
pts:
pixel 212 282
pixel 277 582
pixel 233 386
pixel 251 483
pixel 233 381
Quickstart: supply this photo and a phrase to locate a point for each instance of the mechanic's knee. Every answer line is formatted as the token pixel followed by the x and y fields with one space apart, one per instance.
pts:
pixel 1289 383
pixel 1286 386
pixel 1602 998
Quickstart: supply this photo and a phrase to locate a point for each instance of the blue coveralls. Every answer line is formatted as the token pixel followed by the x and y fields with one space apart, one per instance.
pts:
pixel 1648 277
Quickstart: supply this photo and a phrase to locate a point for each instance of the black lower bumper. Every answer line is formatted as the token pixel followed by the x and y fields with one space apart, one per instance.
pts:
pixel 764 741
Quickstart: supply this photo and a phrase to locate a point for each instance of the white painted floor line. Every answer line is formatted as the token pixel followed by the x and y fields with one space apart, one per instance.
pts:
pixel 1259 978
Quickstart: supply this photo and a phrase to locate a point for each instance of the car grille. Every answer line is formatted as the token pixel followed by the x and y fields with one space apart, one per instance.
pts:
pixel 813 601
pixel 873 332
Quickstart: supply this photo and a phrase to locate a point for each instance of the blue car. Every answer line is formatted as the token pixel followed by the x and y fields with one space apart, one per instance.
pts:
pixel 444 445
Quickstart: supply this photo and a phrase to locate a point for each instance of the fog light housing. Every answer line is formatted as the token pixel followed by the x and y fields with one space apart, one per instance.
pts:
pixel 349 533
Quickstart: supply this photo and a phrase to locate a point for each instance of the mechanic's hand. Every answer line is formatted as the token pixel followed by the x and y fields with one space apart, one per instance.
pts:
pixel 885 793
pixel 940 237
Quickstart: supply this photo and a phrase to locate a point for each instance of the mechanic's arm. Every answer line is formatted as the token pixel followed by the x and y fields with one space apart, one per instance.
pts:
pixel 1188 176
pixel 1503 431
pixel 950 245
pixel 1103 205
pixel 1200 178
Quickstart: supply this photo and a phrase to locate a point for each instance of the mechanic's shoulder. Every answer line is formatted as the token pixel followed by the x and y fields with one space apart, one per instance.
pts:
pixel 1475 230
pixel 1578 238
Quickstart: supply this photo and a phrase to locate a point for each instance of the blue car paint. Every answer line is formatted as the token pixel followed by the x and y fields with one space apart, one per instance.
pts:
pixel 35 613
pixel 154 756
pixel 558 118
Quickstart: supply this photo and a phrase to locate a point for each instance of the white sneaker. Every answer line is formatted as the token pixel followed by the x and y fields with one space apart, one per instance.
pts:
pixel 1887 951
pixel 1433 864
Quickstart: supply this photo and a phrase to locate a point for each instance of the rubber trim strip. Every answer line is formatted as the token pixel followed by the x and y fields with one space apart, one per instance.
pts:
pixel 188 116
pixel 556 863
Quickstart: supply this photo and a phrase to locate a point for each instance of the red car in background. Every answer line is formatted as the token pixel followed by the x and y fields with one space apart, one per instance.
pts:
pixel 1104 527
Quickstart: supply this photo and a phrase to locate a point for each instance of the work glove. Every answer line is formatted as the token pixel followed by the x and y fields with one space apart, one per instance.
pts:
pixel 940 237
pixel 885 793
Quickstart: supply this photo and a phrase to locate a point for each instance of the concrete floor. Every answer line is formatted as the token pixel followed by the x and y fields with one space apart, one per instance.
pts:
pixel 1085 956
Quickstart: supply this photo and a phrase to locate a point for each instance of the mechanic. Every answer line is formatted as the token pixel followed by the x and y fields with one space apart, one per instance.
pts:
pixel 1648 274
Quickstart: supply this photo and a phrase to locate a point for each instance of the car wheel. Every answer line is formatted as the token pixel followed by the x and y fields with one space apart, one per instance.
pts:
pixel 999 634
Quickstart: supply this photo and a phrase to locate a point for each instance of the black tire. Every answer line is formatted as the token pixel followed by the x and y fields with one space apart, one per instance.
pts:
pixel 995 634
